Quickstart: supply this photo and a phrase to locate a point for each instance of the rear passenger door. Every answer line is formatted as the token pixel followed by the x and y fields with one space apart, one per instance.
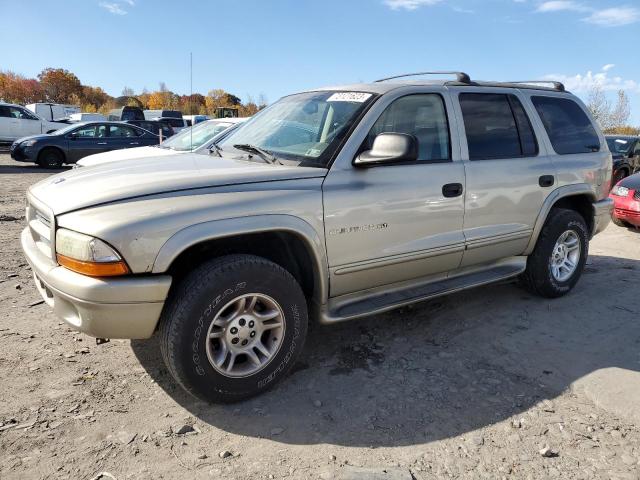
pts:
pixel 508 174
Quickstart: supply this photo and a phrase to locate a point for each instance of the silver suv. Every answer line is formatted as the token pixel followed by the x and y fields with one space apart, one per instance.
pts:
pixel 329 205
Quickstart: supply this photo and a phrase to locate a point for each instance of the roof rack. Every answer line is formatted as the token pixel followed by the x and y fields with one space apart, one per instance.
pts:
pixel 556 85
pixel 460 76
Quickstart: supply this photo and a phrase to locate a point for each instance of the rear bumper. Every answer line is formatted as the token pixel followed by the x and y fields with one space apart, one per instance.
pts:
pixel 601 214
pixel 124 307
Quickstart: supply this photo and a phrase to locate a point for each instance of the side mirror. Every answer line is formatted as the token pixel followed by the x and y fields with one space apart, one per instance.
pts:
pixel 73 136
pixel 389 148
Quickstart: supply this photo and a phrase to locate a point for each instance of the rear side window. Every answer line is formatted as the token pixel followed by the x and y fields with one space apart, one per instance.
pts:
pixel 567 125
pixel 496 126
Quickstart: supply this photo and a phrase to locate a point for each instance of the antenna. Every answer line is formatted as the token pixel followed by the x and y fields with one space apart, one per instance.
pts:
pixel 191 99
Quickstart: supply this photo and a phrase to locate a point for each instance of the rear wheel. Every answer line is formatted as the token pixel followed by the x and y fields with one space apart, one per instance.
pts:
pixel 558 259
pixel 50 158
pixel 233 328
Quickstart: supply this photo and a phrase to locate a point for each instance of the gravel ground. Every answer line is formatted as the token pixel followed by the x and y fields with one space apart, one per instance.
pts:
pixel 488 383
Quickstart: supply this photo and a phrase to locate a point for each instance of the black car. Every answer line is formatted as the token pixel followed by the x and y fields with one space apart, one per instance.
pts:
pixel 625 150
pixel 155 126
pixel 70 144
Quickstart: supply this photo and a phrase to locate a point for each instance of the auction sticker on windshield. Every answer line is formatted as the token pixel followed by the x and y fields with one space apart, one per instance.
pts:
pixel 358 97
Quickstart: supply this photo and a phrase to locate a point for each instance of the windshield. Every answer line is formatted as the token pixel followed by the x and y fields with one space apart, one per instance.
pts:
pixel 199 135
pixel 619 145
pixel 306 128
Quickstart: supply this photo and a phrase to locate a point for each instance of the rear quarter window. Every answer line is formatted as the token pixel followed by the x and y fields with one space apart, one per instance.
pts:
pixel 568 126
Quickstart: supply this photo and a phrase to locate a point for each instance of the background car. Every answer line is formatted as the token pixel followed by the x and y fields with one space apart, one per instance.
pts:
pixel 76 141
pixel 626 200
pixel 155 127
pixel 196 139
pixel 625 150
pixel 17 121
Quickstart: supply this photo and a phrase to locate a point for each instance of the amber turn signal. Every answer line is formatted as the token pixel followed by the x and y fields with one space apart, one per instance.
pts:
pixel 94 269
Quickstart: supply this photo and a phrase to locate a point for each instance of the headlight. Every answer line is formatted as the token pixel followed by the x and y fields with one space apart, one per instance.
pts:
pixel 28 143
pixel 88 255
pixel 620 191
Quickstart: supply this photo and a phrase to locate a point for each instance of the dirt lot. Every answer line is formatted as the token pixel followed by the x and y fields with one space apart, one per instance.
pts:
pixel 469 386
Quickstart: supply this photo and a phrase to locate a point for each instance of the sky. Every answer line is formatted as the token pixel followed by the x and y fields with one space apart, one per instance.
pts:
pixel 276 47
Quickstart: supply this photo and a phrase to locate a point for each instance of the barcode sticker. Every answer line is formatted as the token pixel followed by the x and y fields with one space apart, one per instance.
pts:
pixel 357 97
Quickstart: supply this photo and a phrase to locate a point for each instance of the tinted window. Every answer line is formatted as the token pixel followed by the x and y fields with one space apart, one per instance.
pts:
pixel 422 116
pixel 4 111
pixel 528 141
pixel 490 126
pixel 567 125
pixel 122 131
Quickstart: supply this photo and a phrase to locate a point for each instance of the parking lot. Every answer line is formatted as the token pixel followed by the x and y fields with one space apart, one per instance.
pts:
pixel 487 383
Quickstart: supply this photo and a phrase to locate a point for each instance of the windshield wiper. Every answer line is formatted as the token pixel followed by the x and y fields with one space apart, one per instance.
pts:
pixel 214 148
pixel 266 156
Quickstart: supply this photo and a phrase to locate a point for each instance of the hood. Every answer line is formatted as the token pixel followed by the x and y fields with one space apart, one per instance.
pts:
pixel 84 187
pixel 124 154
pixel 39 136
pixel 632 182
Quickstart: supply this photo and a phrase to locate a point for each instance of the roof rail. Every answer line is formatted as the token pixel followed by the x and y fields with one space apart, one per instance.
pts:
pixel 460 76
pixel 556 85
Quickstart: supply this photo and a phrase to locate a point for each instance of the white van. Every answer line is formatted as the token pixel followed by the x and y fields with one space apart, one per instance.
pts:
pixel 17 122
pixel 87 117
pixel 53 111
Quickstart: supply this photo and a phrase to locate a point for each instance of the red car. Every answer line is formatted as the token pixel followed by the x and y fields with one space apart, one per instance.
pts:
pixel 626 198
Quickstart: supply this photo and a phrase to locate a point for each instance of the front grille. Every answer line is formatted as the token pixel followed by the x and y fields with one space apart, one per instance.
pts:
pixel 41 227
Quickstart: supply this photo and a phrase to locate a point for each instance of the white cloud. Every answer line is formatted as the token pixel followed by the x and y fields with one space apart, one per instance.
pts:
pixel 409 4
pixel 582 83
pixel 114 8
pixel 614 17
pixel 560 5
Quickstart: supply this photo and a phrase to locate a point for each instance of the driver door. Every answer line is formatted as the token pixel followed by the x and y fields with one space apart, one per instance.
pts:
pixel 391 223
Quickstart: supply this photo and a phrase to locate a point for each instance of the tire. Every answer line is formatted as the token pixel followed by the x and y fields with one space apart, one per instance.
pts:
pixel 50 158
pixel 617 176
pixel 539 276
pixel 211 293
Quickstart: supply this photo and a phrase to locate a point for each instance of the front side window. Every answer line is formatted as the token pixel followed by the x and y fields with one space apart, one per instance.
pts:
pixel 421 115
pixel 496 126
pixel 567 125
pixel 306 128
pixel 21 114
pixel 86 132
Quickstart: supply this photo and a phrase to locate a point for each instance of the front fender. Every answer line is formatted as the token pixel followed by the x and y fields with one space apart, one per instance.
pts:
pixel 217 229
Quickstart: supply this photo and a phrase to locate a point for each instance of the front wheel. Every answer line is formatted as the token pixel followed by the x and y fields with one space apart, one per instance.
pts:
pixel 559 257
pixel 233 328
pixel 50 158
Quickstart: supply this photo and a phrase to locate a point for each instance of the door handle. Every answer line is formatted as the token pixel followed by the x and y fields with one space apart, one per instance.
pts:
pixel 101 143
pixel 546 180
pixel 452 190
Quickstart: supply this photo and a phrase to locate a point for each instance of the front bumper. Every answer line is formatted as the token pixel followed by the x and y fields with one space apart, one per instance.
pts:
pixel 601 214
pixel 627 208
pixel 123 307
pixel 22 154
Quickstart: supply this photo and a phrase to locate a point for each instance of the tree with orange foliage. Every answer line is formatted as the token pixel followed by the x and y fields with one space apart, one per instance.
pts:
pixel 59 84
